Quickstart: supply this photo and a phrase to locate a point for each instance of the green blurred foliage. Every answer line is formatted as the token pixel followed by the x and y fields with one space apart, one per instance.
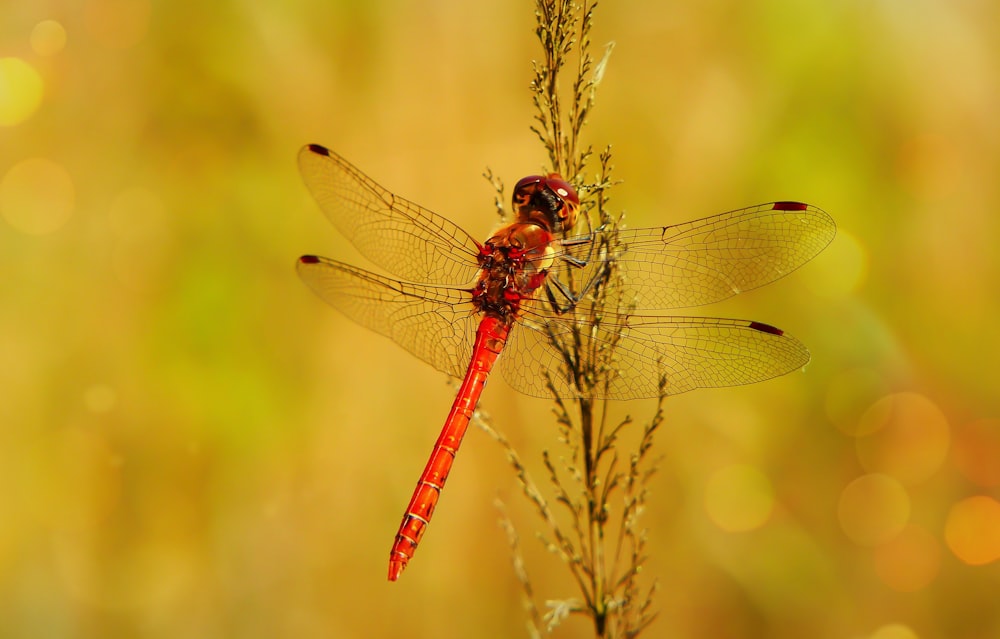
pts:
pixel 191 444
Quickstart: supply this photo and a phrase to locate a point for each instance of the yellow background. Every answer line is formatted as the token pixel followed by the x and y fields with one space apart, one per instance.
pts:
pixel 193 445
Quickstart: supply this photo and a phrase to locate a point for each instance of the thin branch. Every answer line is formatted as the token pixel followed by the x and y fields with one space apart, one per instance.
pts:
pixel 605 554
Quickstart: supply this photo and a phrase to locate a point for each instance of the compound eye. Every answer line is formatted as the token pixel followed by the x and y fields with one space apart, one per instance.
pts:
pixel 563 189
pixel 525 187
pixel 531 180
pixel 546 197
pixel 567 195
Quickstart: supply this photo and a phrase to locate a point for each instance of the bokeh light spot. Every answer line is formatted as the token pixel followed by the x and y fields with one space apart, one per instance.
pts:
pixel 739 498
pixel 977 452
pixel 48 38
pixel 20 91
pixel 910 561
pixel 972 530
pixel 100 398
pixel 873 509
pixel 894 631
pixel 848 397
pixel 138 219
pixel 117 24
pixel 908 437
pixel 36 196
pixel 875 417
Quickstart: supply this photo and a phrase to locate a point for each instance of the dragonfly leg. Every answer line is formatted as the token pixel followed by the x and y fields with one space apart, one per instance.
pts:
pixel 571 299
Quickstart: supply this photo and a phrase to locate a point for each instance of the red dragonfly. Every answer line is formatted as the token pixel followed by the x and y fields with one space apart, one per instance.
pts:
pixel 458 303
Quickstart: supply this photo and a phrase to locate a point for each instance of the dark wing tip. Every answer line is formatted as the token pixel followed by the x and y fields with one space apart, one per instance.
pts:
pixel 318 150
pixel 766 328
pixel 308 259
pixel 789 206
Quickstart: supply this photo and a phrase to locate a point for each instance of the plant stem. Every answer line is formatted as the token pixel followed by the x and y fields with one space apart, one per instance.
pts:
pixel 610 596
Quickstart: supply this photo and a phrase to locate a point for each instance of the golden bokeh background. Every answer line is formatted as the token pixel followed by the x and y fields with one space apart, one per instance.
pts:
pixel 191 444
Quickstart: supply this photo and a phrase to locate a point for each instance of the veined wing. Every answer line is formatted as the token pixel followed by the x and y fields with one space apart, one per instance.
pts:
pixel 405 239
pixel 435 323
pixel 687 352
pixel 714 258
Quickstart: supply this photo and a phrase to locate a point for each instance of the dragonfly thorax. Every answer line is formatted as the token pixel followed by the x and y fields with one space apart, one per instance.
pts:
pixel 513 266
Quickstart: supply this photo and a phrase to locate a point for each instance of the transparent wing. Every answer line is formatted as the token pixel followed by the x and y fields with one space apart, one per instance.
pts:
pixel 687 352
pixel 711 259
pixel 401 237
pixel 435 323
pixel 438 324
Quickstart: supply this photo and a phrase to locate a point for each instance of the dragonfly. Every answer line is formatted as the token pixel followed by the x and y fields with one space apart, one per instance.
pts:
pixel 457 303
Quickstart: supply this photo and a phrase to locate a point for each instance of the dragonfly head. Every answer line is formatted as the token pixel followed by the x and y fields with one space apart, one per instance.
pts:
pixel 548 200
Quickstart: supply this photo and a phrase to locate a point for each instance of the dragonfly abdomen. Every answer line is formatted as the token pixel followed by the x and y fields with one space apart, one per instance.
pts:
pixel 490 339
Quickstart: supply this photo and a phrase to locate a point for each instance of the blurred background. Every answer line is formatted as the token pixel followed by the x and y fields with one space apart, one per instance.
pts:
pixel 192 444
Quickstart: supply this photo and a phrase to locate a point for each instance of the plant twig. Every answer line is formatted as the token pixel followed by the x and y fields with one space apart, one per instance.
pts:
pixel 599 495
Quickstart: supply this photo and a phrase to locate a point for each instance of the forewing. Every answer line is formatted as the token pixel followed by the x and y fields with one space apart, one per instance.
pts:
pixel 434 323
pixel 401 237
pixel 685 352
pixel 711 259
